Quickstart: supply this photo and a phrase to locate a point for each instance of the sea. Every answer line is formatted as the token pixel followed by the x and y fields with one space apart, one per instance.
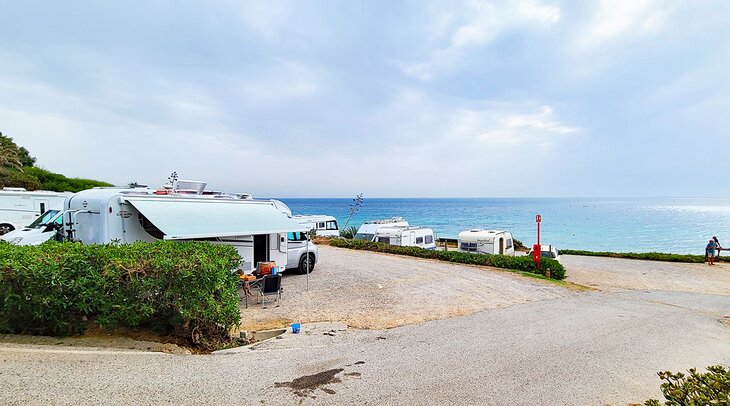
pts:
pixel 670 225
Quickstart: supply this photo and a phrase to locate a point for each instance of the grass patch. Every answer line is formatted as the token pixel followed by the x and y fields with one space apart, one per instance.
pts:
pixel 646 256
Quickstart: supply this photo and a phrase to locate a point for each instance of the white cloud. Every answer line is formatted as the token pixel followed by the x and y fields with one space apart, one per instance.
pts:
pixel 283 82
pixel 475 24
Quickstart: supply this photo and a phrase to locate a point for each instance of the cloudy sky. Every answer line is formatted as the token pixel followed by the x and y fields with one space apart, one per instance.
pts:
pixel 390 98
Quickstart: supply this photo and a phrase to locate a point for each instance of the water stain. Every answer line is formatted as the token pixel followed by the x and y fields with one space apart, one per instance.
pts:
pixel 353 374
pixel 305 385
pixel 359 362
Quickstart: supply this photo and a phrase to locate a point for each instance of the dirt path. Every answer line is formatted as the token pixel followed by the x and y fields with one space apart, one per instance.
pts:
pixel 373 291
pixel 616 273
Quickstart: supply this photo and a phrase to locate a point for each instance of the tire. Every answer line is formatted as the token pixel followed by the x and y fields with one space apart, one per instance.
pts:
pixel 6 228
pixel 302 264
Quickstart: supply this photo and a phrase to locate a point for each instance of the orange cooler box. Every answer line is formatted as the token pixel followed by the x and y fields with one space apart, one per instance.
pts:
pixel 266 267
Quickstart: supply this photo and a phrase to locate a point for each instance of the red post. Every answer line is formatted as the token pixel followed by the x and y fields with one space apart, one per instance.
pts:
pixel 536 248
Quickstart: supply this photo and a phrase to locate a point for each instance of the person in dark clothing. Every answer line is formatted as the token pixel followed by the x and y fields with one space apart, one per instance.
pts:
pixel 719 247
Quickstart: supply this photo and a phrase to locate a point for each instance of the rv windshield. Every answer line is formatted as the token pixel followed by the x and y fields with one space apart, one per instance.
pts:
pixel 366 237
pixel 44 219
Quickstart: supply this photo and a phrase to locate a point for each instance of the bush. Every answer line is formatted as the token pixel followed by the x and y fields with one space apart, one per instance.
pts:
pixel 14 178
pixel 348 232
pixel 649 256
pixel 695 389
pixel 60 183
pixel 185 288
pixel 520 263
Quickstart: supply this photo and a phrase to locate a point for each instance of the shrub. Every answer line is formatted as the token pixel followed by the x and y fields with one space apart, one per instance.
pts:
pixel 695 389
pixel 60 183
pixel 348 232
pixel 186 288
pixel 649 256
pixel 520 263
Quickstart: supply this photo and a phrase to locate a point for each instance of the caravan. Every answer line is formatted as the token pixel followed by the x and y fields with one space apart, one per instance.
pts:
pixel 486 242
pixel 368 229
pixel 19 208
pixel 256 228
pixel 406 236
pixel 325 226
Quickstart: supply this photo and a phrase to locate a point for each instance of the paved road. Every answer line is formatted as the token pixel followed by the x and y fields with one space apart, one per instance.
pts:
pixel 593 348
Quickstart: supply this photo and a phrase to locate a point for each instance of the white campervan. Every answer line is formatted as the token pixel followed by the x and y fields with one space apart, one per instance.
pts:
pixel 325 226
pixel 19 208
pixel 406 236
pixel 256 228
pixel 486 242
pixel 368 229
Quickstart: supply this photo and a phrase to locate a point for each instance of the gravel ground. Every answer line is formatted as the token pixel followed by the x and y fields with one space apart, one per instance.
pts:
pixel 617 273
pixel 375 291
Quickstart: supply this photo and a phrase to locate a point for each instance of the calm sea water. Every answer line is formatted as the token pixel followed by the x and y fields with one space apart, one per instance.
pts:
pixel 673 225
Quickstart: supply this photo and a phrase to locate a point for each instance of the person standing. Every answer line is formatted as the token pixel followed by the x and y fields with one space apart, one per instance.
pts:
pixel 710 251
pixel 719 247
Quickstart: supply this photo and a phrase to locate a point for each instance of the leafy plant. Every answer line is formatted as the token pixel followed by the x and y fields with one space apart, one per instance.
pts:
pixel 186 287
pixel 520 263
pixel 695 389
pixel 348 232
pixel 649 256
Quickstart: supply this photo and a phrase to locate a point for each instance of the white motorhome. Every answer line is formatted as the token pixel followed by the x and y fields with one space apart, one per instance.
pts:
pixel 368 229
pixel 486 242
pixel 19 207
pixel 406 236
pixel 256 228
pixel 325 226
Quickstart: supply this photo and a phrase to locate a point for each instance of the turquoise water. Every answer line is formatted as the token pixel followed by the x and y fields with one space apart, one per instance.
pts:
pixel 673 225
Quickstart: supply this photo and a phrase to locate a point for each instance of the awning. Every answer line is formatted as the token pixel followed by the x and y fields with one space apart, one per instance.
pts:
pixel 193 218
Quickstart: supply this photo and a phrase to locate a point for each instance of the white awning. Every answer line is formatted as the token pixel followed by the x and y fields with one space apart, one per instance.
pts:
pixel 186 219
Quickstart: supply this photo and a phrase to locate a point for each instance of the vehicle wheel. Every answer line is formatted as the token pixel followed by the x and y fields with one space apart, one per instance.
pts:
pixel 6 228
pixel 303 264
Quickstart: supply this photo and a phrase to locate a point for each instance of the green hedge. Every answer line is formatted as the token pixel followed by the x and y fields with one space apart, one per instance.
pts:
pixel 695 389
pixel 185 288
pixel 519 263
pixel 649 256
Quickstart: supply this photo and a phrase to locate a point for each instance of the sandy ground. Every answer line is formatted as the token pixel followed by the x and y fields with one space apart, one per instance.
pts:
pixel 616 273
pixel 374 291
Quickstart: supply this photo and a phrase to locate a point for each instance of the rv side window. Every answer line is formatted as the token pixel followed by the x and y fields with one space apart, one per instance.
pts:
pixel 429 239
pixel 332 225
pixel 509 243
pixel 320 226
pixel 384 240
pixel 419 240
pixel 469 246
pixel 296 237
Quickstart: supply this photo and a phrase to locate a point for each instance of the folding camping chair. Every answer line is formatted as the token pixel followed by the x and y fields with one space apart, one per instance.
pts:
pixel 269 285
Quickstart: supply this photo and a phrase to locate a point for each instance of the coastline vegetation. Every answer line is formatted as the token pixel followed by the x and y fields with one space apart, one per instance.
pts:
pixel 518 263
pixel 648 256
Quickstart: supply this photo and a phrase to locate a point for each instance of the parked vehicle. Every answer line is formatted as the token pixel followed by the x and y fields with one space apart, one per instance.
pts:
pixel 19 207
pixel 301 253
pixel 325 226
pixel 368 229
pixel 406 236
pixel 548 251
pixel 486 242
pixel 256 228
pixel 39 231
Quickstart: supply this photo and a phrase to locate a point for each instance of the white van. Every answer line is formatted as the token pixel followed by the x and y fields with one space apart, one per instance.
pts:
pixel 325 226
pixel 39 231
pixel 406 236
pixel 486 242
pixel 368 229
pixel 19 207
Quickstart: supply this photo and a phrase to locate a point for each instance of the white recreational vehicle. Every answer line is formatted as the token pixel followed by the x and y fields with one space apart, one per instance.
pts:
pixel 325 226
pixel 19 208
pixel 406 236
pixel 256 228
pixel 486 242
pixel 368 229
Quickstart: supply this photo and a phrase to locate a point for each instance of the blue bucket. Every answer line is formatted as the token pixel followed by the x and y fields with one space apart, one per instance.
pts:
pixel 295 328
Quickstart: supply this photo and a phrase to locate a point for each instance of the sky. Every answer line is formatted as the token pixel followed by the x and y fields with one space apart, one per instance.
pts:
pixel 533 98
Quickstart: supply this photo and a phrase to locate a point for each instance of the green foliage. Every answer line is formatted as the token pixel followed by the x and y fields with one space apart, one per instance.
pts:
pixel 520 263
pixel 10 155
pixel 649 256
pixel 60 183
pixel 14 178
pixel 695 389
pixel 187 288
pixel 348 232
pixel 519 245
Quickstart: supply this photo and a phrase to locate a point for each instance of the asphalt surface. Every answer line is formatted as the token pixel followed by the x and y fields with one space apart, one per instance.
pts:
pixel 592 348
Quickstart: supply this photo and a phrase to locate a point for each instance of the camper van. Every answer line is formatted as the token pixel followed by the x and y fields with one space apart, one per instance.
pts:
pixel 19 208
pixel 325 226
pixel 368 229
pixel 39 231
pixel 486 242
pixel 256 228
pixel 406 236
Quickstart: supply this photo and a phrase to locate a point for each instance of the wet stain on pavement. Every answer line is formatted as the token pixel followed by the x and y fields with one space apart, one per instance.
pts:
pixel 305 385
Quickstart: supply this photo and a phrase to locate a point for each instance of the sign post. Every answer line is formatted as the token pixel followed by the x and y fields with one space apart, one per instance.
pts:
pixel 536 248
